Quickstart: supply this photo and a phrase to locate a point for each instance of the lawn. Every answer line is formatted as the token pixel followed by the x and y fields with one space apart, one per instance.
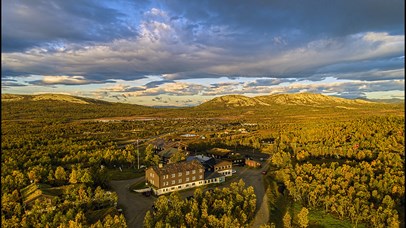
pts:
pixel 94 216
pixel 125 174
pixel 319 218
pixel 138 185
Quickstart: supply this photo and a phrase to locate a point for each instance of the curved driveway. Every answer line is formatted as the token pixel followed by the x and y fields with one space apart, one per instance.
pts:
pixel 134 205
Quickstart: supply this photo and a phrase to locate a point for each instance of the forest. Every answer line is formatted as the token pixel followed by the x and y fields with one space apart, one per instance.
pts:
pixel 57 160
pixel 226 207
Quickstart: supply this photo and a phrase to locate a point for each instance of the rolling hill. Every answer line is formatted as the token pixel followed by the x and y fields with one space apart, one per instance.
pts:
pixel 50 107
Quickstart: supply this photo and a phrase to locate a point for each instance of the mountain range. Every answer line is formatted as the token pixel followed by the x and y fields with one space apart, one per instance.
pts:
pixel 309 99
pixel 66 107
pixel 223 101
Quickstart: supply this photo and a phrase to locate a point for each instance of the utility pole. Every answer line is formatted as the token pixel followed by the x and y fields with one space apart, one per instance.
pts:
pixel 138 155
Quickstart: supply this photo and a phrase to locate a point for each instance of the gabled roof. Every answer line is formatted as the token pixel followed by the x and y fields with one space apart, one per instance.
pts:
pixel 223 163
pixel 204 160
pixel 178 167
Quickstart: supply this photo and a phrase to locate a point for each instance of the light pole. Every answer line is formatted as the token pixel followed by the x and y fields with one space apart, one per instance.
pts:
pixel 138 156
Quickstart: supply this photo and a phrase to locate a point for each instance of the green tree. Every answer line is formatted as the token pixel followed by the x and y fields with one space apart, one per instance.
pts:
pixel 86 178
pixel 150 157
pixel 287 220
pixel 73 178
pixel 302 217
pixel 177 156
pixel 60 174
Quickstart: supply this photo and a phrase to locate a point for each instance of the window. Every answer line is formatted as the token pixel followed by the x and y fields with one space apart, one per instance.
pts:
pixel 180 181
pixel 193 184
pixel 193 178
pixel 201 176
pixel 201 170
pixel 187 172
pixel 179 174
pixel 180 187
pixel 193 171
pixel 173 182
pixel 187 179
pixel 173 175
pixel 172 188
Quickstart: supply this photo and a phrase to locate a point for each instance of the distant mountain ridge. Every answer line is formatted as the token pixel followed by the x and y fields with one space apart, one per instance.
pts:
pixel 227 101
pixel 238 101
pixel 62 108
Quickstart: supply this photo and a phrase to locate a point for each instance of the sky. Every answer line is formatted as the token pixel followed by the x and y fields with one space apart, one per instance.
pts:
pixel 182 53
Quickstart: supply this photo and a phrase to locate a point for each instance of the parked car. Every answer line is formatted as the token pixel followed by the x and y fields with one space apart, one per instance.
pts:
pixel 147 194
pixel 264 172
pixel 234 171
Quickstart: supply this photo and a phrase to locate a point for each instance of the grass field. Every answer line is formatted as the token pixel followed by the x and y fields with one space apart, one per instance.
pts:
pixel 318 218
pixel 138 185
pixel 125 174
pixel 280 203
pixel 94 216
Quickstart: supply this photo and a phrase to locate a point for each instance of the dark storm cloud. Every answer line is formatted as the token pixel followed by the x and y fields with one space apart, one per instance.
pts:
pixel 365 65
pixel 154 84
pixel 338 18
pixel 27 24
pixel 269 82
pixel 224 84
pixel 11 84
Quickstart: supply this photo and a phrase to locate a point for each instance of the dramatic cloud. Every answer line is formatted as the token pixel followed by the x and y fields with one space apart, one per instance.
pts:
pixel 64 80
pixel 259 44
pixel 27 24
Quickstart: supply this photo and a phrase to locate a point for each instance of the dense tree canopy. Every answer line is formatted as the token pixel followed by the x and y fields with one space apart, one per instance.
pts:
pixel 227 207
